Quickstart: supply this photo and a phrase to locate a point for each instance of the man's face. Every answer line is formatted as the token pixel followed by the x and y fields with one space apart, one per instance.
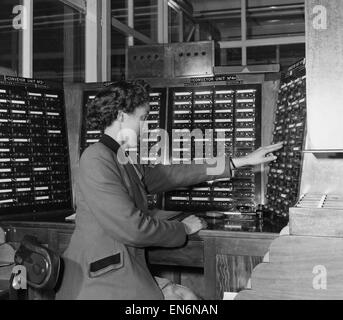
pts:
pixel 133 124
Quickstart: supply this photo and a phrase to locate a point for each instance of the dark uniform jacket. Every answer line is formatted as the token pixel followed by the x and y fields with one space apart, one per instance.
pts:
pixel 106 257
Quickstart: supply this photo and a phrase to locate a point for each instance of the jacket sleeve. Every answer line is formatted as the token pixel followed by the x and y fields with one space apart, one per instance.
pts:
pixel 108 199
pixel 164 178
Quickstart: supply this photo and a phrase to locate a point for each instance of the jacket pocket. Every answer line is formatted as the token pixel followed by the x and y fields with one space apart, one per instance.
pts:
pixel 102 266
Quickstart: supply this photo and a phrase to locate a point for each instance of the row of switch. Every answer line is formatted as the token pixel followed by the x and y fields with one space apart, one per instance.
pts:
pixel 34 162
pixel 231 114
pixel 290 123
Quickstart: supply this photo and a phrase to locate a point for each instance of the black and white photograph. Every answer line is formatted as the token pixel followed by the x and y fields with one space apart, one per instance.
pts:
pixel 178 156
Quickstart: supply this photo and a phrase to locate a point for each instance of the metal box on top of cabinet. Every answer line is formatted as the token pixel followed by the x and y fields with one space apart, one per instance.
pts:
pixel 174 60
pixel 194 59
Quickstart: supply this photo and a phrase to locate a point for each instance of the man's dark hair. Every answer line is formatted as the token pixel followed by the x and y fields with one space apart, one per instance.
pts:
pixel 117 96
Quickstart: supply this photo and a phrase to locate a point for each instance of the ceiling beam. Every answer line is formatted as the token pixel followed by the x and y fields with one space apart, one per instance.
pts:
pixel 185 6
pixel 79 5
pixel 206 5
pixel 126 30
pixel 262 42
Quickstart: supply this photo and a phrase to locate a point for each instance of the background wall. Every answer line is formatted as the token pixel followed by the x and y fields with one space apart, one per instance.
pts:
pixel 323 171
pixel 325 73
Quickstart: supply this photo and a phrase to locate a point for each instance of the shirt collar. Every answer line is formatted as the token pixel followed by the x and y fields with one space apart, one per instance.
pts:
pixel 110 143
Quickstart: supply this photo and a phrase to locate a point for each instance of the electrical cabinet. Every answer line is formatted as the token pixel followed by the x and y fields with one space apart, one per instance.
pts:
pixel 34 155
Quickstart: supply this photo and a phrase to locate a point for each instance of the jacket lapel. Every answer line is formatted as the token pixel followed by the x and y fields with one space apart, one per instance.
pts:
pixel 132 171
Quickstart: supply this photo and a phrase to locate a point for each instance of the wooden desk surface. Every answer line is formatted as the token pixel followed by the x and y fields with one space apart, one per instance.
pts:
pixel 227 227
pixel 227 251
pixel 224 236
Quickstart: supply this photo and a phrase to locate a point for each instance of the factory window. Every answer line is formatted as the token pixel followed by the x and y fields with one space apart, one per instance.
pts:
pixel 59 33
pixel 221 18
pixel 261 55
pixel 284 55
pixel 145 18
pixel 119 10
pixel 9 38
pixel 188 29
pixel 118 40
pixel 290 54
pixel 231 57
pixel 58 41
pixel 275 20
pixel 174 29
